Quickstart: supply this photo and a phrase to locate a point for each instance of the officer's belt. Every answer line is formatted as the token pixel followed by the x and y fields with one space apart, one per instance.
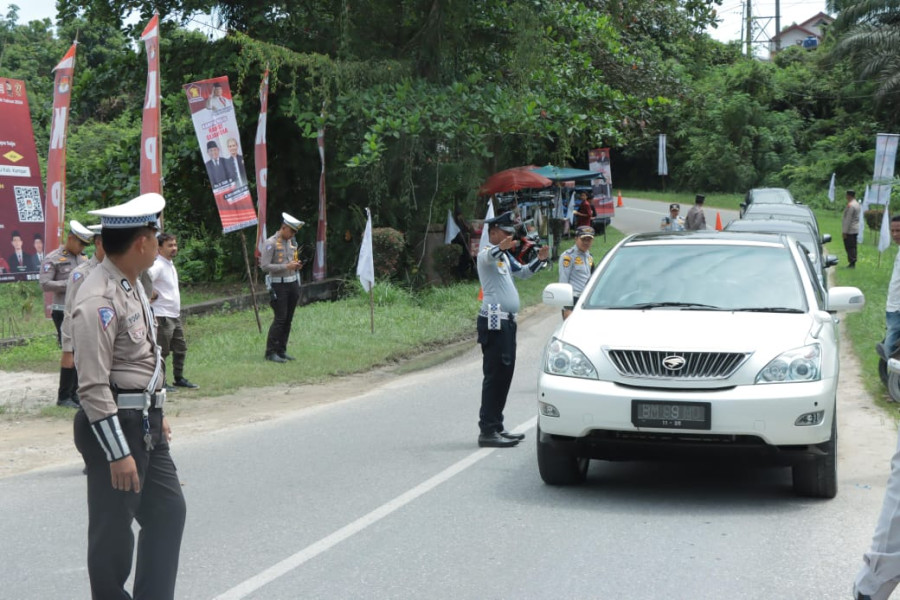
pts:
pixel 59 307
pixel 290 279
pixel 139 400
pixel 504 316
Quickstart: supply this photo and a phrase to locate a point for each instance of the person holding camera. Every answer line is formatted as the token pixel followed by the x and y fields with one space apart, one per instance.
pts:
pixel 279 261
pixel 672 222
pixel 576 265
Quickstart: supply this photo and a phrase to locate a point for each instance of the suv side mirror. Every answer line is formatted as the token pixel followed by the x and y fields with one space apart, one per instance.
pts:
pixel 826 237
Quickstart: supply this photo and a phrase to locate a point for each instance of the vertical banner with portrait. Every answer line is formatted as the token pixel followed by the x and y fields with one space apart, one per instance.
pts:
pixel 216 126
pixel 885 158
pixel 262 165
pixel 56 156
pixel 21 205
pixel 151 148
pixel 598 162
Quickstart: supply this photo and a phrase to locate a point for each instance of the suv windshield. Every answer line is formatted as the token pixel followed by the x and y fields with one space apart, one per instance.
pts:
pixel 772 196
pixel 699 277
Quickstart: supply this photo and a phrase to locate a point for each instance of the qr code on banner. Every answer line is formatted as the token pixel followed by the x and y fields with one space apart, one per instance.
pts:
pixel 28 202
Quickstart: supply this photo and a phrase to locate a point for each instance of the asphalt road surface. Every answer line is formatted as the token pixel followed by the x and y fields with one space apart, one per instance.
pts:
pixel 386 495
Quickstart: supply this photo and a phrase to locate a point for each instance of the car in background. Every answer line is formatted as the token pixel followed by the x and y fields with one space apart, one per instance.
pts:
pixel 709 344
pixel 801 231
pixel 766 196
pixel 788 212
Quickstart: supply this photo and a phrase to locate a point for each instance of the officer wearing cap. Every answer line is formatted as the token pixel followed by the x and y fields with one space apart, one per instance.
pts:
pixel 672 222
pixel 279 261
pixel 75 280
pixel 121 430
pixel 497 326
pixel 576 265
pixel 54 278
pixel 696 220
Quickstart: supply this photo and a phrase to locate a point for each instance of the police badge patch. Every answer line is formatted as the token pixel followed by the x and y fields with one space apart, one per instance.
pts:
pixel 125 285
pixel 106 316
pixel 76 276
pixel 567 260
pixel 47 267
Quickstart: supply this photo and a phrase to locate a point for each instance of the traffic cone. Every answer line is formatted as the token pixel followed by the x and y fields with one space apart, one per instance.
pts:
pixel 619 203
pixel 480 294
pixel 718 221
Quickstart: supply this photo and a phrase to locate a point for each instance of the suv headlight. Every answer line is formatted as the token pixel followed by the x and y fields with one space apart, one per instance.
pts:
pixel 799 364
pixel 568 361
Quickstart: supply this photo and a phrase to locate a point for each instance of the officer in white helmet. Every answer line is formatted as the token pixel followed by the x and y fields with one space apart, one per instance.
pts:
pixel 280 262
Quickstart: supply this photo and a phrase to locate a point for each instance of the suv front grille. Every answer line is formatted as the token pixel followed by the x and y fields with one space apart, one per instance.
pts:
pixel 655 364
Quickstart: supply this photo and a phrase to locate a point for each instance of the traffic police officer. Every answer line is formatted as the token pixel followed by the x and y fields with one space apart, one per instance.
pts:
pixel 279 261
pixel 497 326
pixel 672 222
pixel 54 277
pixel 121 430
pixel 576 265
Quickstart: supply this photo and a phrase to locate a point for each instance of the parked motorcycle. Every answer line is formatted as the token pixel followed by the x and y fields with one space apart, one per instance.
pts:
pixel 889 370
pixel 528 242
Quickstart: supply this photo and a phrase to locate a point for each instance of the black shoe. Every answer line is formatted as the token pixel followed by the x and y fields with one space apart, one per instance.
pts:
pixel 275 358
pixel 861 596
pixel 182 382
pixel 170 389
pixel 512 436
pixel 68 403
pixel 495 440
pixel 286 356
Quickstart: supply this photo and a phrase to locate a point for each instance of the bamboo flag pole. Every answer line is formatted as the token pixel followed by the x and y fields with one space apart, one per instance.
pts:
pixel 372 309
pixel 250 280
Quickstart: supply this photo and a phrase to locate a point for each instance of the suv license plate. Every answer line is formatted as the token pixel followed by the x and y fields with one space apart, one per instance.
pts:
pixel 670 415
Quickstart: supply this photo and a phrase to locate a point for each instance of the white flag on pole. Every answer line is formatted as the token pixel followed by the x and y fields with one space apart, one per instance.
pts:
pixel 452 229
pixel 365 268
pixel 831 190
pixel 860 237
pixel 571 212
pixel 485 238
pixel 662 166
pixel 884 239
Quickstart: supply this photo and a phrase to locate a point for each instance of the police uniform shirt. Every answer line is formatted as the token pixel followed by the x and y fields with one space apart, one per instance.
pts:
pixel 55 271
pixel 575 269
pixel 75 280
pixel 496 268
pixel 116 340
pixel 670 224
pixel 276 254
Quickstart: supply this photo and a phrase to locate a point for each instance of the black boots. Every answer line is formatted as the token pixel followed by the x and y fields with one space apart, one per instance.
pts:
pixel 68 388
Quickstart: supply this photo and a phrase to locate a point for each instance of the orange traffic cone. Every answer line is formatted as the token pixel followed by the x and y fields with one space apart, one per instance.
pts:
pixel 480 294
pixel 718 221
pixel 619 203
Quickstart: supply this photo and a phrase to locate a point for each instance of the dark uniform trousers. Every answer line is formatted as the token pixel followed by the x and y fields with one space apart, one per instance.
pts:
pixel 170 337
pixel 284 302
pixel 159 509
pixel 850 242
pixel 58 316
pixel 498 349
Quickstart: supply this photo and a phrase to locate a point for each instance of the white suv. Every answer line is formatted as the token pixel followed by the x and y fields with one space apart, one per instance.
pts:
pixel 695 343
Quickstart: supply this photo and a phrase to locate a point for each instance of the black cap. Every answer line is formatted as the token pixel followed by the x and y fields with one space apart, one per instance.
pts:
pixel 506 222
pixel 699 199
pixel 212 144
pixel 674 206
pixel 851 193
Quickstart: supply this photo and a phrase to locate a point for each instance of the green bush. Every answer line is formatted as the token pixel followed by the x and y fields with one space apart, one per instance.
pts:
pixel 446 261
pixel 388 246
pixel 873 218
pixel 201 258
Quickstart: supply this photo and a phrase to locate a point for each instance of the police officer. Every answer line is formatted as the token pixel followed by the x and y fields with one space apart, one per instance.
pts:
pixel 497 326
pixel 672 222
pixel 279 261
pixel 54 278
pixel 121 430
pixel 576 265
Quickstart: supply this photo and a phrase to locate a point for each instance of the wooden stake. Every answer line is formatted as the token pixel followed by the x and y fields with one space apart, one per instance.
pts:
pixel 250 280
pixel 372 308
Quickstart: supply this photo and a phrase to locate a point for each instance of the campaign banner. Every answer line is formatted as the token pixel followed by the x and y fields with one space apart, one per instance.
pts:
pixel 262 165
pixel 598 162
pixel 885 157
pixel 56 156
pixel 319 266
pixel 151 147
pixel 21 204
pixel 217 132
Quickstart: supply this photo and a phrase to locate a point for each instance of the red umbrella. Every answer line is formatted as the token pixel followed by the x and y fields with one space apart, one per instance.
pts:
pixel 511 180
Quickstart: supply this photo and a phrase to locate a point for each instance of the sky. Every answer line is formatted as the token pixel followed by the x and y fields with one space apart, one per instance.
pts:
pixel 731 11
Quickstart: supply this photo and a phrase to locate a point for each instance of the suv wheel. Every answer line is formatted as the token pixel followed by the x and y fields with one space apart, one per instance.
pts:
pixel 817 478
pixel 558 467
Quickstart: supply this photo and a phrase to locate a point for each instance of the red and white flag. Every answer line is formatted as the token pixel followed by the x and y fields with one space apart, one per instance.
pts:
pixel 319 267
pixel 56 156
pixel 262 165
pixel 151 147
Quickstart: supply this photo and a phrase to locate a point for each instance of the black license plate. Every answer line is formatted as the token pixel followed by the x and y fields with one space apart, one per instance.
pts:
pixel 670 415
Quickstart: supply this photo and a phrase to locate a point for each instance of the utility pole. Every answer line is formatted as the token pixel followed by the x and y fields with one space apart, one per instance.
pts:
pixel 749 29
pixel 777 25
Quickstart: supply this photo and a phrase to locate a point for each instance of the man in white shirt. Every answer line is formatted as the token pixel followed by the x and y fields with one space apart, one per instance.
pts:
pixel 166 306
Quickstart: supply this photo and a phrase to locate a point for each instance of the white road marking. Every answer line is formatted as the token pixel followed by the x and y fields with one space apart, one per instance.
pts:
pixel 247 587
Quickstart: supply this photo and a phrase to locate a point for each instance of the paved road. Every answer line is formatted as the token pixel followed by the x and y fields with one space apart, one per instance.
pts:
pixel 386 495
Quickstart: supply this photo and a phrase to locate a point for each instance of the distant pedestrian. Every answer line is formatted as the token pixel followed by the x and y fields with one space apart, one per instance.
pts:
pixel 166 306
pixel 696 220
pixel 850 228
pixel 279 261
pixel 576 265
pixel 584 212
pixel 672 222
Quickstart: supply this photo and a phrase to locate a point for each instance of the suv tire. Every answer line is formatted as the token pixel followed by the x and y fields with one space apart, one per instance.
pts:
pixel 817 478
pixel 558 467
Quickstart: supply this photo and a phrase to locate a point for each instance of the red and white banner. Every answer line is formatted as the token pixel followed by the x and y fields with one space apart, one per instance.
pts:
pixel 319 267
pixel 56 156
pixel 21 205
pixel 151 148
pixel 262 164
pixel 216 126
pixel 598 162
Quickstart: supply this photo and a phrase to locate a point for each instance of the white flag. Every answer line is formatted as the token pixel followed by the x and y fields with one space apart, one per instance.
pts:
pixel 662 166
pixel 860 237
pixel 571 212
pixel 452 229
pixel 831 190
pixel 884 239
pixel 485 238
pixel 365 268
